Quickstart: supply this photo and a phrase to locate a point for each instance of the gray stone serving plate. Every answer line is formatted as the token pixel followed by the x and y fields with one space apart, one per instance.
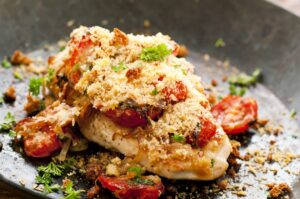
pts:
pixel 257 34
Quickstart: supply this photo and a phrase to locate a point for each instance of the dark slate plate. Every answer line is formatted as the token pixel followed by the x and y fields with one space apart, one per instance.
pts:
pixel 256 33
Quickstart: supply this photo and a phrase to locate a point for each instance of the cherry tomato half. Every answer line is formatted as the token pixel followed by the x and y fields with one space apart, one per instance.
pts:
pixel 208 130
pixel 43 143
pixel 127 117
pixel 123 188
pixel 235 113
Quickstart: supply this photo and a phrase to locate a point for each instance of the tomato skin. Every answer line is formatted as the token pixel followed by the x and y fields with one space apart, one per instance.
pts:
pixel 179 92
pixel 123 189
pixel 127 117
pixel 78 54
pixel 208 130
pixel 235 113
pixel 43 143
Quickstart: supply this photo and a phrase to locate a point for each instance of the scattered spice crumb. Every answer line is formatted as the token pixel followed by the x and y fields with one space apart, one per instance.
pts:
pixel 19 58
pixel 10 94
pixel 206 57
pixel 70 23
pixel 276 190
pixel 147 23
pixel 214 82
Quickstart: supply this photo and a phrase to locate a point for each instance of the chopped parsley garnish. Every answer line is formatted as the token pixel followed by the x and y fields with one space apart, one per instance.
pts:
pixel 240 83
pixel 184 72
pixel 50 75
pixel 47 173
pixel 212 163
pixel 18 76
pixel 155 53
pixel 69 163
pixel 51 188
pixel 12 133
pixel 178 138
pixel 136 170
pixel 235 90
pixel 62 48
pixel 35 85
pixel 8 123
pixel 177 66
pixel 71 193
pixel 244 79
pixel 142 181
pixel 42 105
pixel 220 43
pixel 5 63
pixel 293 113
pixel 154 92
pixel 52 169
pixel 119 67
pixel 45 179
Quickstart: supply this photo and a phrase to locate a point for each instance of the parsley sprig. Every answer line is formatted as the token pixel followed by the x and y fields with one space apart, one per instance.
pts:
pixel 8 124
pixel 50 75
pixel 135 169
pixel 71 193
pixel 52 170
pixel 119 67
pixel 240 83
pixel 220 43
pixel 5 63
pixel 155 53
pixel 178 138
pixel 35 85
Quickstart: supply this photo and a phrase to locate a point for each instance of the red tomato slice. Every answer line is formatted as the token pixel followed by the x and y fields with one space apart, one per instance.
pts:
pixel 179 92
pixel 235 113
pixel 124 189
pixel 43 143
pixel 127 117
pixel 78 55
pixel 208 130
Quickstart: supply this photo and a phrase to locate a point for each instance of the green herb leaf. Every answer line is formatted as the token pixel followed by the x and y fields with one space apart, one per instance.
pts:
pixel 8 123
pixel 293 113
pixel 1 100
pixel 5 63
pixel 155 53
pixel 45 179
pixel 142 181
pixel 52 168
pixel 119 67
pixel 234 90
pixel 220 43
pixel 71 193
pixel 50 75
pixel 51 188
pixel 42 105
pixel 18 76
pixel 244 79
pixel 62 48
pixel 178 138
pixel 184 71
pixel 35 85
pixel 12 133
pixel 154 92
pixel 136 170
pixel 69 163
pixel 212 163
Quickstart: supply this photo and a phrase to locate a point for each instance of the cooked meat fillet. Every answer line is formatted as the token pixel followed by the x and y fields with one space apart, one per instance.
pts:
pixel 135 96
